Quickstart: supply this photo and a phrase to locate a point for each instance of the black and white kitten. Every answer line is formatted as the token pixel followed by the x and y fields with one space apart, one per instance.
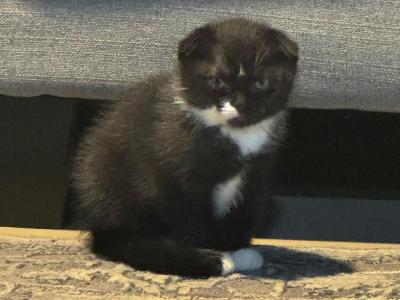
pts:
pixel 174 180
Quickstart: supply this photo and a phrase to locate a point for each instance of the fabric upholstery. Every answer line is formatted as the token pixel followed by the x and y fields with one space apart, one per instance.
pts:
pixel 350 50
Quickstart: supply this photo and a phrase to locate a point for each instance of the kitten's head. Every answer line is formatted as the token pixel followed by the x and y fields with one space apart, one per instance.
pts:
pixel 236 72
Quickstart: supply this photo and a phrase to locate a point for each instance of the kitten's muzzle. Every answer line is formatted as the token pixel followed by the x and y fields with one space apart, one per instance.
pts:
pixel 225 108
pixel 239 101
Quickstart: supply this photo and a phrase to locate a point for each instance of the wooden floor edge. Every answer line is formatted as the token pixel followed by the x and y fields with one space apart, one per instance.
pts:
pixel 325 244
pixel 61 234
pixel 77 234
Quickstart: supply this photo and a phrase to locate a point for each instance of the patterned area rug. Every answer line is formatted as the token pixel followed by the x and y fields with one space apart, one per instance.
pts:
pixel 43 268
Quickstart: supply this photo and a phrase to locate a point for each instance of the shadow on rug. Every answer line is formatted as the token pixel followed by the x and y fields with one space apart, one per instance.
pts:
pixel 289 264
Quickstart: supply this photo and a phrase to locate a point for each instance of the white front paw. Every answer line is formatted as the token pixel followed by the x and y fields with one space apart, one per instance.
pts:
pixel 241 260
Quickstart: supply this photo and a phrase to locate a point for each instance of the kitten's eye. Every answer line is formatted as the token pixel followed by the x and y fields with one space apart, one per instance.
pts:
pixel 216 83
pixel 262 84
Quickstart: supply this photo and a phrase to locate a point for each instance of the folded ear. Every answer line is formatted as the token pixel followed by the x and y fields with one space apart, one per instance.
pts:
pixel 196 43
pixel 286 45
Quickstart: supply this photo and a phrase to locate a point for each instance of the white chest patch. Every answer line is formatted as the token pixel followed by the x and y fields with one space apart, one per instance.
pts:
pixel 226 195
pixel 251 139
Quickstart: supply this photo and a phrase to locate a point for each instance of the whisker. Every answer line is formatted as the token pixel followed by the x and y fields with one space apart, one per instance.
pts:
pixel 262 58
pixel 181 89
pixel 260 50
pixel 257 57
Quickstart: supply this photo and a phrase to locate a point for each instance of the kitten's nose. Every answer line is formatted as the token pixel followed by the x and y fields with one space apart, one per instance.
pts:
pixel 239 101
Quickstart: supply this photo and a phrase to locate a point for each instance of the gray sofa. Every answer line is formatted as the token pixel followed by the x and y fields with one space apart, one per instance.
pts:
pixel 350 50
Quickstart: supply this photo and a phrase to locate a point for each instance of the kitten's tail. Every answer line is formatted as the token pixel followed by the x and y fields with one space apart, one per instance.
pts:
pixel 162 255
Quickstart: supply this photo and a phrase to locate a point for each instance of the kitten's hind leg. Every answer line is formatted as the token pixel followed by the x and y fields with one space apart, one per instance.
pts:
pixel 160 254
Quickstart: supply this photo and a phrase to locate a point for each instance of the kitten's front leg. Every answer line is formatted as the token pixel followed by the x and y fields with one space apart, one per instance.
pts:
pixel 163 255
pixel 157 254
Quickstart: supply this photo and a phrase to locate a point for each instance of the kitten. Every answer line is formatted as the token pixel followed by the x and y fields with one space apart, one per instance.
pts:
pixel 174 180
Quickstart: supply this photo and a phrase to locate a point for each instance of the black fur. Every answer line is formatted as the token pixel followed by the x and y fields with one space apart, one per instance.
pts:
pixel 144 175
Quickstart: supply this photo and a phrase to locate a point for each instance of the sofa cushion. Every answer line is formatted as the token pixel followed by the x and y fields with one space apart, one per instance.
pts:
pixel 350 50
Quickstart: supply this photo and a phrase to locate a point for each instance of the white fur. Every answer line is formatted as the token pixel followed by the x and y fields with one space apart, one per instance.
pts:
pixel 209 116
pixel 241 260
pixel 251 139
pixel 225 195
pixel 228 264
pixel 228 111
